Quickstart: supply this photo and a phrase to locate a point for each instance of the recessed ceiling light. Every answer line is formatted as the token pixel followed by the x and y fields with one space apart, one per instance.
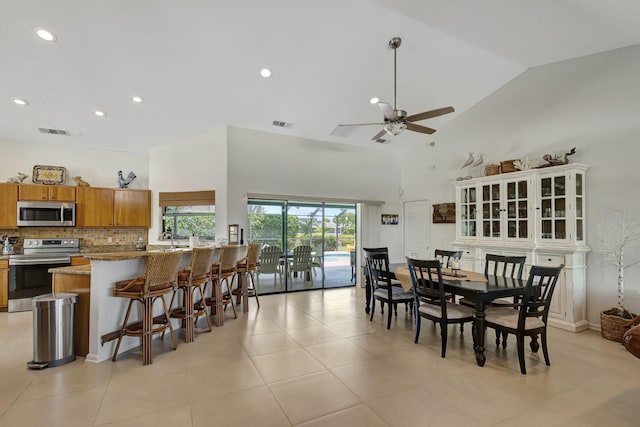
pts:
pixel 137 99
pixel 46 35
pixel 265 72
pixel 374 100
pixel 20 101
pixel 99 113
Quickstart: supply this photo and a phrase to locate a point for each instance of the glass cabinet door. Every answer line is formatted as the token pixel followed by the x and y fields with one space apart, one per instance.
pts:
pixel 517 209
pixel 491 210
pixel 579 208
pixel 553 195
pixel 468 212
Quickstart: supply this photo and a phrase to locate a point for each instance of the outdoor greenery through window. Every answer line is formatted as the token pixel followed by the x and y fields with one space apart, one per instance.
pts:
pixel 185 221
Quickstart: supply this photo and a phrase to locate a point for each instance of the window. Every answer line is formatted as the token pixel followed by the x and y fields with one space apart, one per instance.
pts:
pixel 185 221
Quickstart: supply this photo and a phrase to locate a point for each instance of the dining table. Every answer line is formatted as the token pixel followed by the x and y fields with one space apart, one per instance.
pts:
pixel 475 287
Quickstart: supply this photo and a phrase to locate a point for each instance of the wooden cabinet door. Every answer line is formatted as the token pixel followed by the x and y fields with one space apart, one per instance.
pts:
pixel 132 208
pixel 33 192
pixel 8 205
pixel 79 260
pixel 94 207
pixel 4 284
pixel 62 194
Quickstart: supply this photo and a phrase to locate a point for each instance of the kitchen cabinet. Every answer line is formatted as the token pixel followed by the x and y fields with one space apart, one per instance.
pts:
pixel 94 207
pixel 132 208
pixel 47 192
pixel 4 284
pixel 108 207
pixel 8 205
pixel 79 260
pixel 537 213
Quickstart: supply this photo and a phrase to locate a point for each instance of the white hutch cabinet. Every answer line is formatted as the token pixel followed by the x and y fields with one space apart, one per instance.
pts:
pixel 537 213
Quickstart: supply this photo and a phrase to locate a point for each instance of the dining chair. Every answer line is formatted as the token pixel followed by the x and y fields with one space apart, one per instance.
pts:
pixel 270 263
pixel 445 257
pixel 530 317
pixel 502 266
pixel 382 287
pixel 431 301
pixel 301 263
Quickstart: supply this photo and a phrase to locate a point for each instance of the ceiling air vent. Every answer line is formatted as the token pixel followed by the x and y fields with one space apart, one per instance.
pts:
pixel 281 124
pixel 341 130
pixel 50 131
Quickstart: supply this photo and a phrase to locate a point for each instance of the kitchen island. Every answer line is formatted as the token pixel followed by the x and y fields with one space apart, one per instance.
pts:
pixel 106 312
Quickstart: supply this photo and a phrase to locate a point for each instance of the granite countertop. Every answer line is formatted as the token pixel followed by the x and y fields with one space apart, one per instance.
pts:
pixel 72 269
pixel 119 256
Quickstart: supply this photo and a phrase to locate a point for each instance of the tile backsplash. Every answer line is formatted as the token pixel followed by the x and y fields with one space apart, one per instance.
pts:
pixel 88 236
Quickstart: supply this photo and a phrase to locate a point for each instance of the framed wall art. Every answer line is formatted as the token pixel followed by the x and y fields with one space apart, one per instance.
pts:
pixel 390 219
pixel 444 213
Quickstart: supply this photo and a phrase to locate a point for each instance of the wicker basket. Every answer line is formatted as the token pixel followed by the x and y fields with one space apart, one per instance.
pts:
pixel 613 326
pixel 507 166
pixel 491 170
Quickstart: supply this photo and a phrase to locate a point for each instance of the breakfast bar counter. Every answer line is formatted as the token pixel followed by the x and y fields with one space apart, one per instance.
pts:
pixel 106 311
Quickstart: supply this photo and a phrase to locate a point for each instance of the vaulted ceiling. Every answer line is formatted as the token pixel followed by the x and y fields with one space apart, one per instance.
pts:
pixel 196 63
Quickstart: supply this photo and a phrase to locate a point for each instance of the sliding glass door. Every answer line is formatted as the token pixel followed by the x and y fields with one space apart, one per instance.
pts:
pixel 315 241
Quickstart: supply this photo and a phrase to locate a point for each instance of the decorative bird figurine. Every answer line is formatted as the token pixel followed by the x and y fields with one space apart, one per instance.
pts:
pixel 124 182
pixel 469 161
pixel 479 161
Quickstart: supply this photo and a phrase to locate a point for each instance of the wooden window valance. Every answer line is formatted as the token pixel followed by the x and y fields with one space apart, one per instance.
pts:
pixel 188 198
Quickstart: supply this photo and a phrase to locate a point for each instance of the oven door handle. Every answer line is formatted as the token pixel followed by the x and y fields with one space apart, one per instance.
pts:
pixel 61 214
pixel 39 261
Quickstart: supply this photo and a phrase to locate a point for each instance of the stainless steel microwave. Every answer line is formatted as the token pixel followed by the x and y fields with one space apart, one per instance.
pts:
pixel 46 214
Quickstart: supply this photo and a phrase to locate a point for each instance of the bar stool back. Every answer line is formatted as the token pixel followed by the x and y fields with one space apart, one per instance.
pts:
pixel 246 267
pixel 191 279
pixel 158 280
pixel 226 269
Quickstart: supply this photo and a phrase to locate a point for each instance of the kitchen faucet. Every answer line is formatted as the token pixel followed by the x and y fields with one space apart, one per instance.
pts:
pixel 168 235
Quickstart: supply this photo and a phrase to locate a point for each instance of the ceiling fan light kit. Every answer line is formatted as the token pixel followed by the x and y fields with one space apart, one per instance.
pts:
pixel 395 120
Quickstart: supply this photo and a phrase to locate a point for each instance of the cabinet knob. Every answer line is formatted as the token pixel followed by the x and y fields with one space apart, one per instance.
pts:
pixel 548 259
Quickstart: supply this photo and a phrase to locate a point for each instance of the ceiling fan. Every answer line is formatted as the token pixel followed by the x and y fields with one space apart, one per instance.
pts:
pixel 396 121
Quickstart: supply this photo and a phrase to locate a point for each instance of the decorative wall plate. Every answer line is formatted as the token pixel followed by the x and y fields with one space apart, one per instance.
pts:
pixel 51 175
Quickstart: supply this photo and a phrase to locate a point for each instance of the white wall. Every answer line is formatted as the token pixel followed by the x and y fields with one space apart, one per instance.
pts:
pixel 98 167
pixel 590 103
pixel 266 163
pixel 195 163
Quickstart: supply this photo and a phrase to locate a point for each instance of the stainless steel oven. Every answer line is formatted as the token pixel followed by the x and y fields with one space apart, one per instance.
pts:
pixel 46 214
pixel 29 273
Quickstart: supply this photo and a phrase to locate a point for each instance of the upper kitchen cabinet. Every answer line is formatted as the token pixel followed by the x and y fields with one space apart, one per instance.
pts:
pixel 107 207
pixel 132 208
pixel 8 205
pixel 36 192
pixel 94 207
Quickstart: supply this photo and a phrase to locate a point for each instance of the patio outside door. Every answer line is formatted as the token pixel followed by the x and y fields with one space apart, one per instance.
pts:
pixel 328 230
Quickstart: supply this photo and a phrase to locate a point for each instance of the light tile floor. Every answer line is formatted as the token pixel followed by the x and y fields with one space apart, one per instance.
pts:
pixel 314 359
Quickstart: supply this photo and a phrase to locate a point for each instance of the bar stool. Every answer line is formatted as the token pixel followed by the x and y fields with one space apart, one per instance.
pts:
pixel 158 280
pixel 223 270
pixel 246 267
pixel 189 279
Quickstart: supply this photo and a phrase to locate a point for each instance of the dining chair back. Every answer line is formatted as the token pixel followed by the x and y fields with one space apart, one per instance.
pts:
pixel 445 257
pixel 505 266
pixel 530 318
pixel 431 301
pixel 382 287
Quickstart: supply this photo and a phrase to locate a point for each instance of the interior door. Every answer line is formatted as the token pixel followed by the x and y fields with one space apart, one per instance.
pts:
pixel 416 229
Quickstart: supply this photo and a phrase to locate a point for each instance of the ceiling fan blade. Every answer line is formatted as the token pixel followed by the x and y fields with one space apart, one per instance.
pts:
pixel 363 124
pixel 388 111
pixel 379 135
pixel 418 128
pixel 430 114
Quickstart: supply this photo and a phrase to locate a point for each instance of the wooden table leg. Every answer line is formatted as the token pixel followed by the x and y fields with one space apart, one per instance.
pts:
pixel 478 335
pixel 367 289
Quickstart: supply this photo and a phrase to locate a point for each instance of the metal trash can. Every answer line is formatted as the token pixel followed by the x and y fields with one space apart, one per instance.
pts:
pixel 53 330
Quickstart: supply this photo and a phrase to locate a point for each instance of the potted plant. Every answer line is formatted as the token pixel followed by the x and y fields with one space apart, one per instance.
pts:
pixel 619 232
